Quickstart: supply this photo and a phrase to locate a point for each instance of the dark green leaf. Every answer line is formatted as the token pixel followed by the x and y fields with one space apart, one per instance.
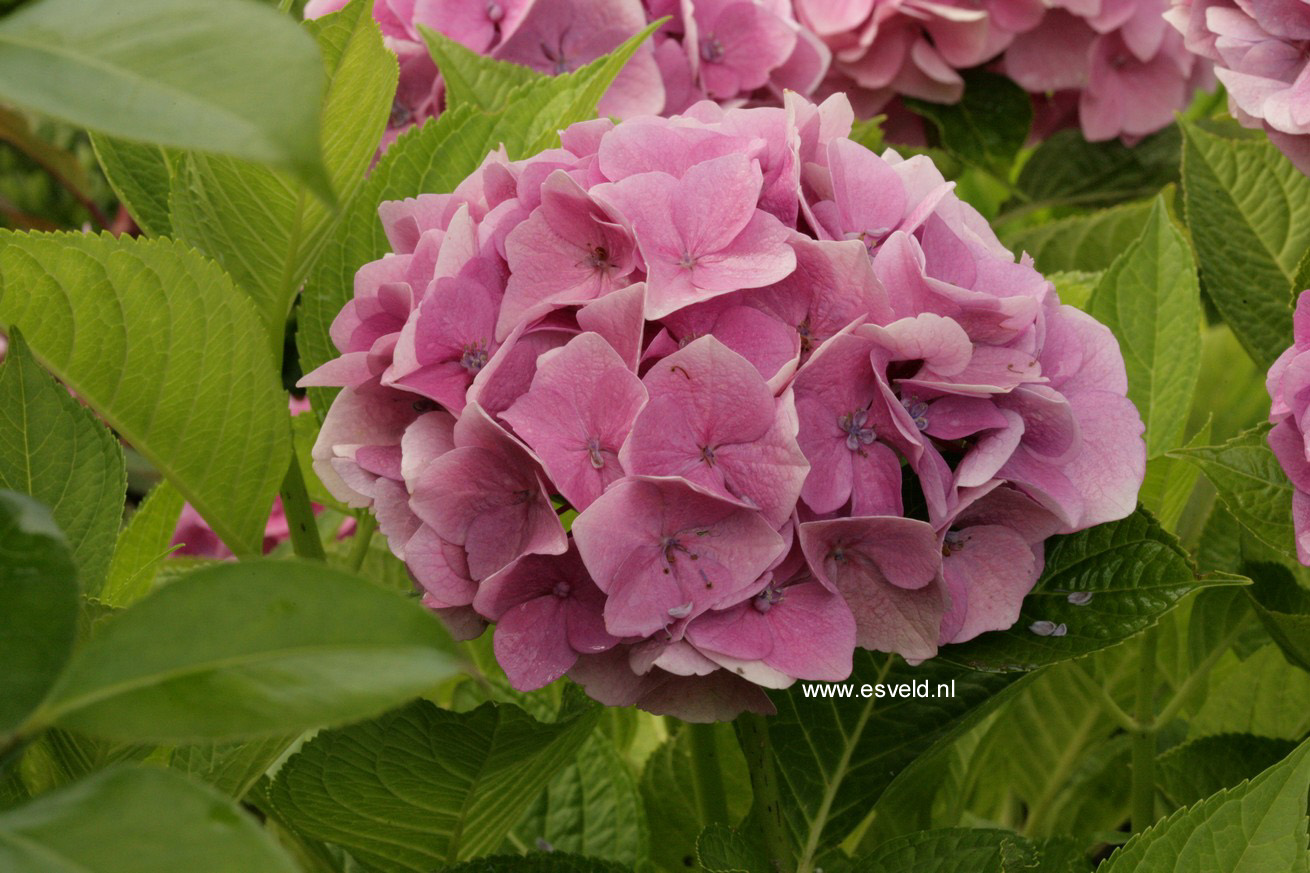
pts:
pixel 987 127
pixel 53 449
pixel 954 850
pixel 232 768
pixel 432 786
pixel 38 603
pixel 249 650
pixel 1067 169
pixel 1284 608
pixel 1205 766
pixel 551 863
pixel 1082 242
pixel 721 849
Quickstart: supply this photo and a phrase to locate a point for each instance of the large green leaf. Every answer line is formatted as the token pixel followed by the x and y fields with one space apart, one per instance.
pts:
pixel 1258 827
pixel 1251 485
pixel 136 820
pixel 961 850
pixel 265 228
pixel 1249 212
pixel 1259 693
pixel 1081 242
pixel 248 650
pixel 423 786
pixel 140 175
pixel 987 127
pixel 471 78
pixel 1066 169
pixel 142 544
pixel 222 75
pixel 1134 571
pixel 38 602
pixel 435 158
pixel 836 756
pixel 52 448
pixel 1196 769
pixel 1151 300
pixel 536 863
pixel 158 342
pixel 1284 608
pixel 232 768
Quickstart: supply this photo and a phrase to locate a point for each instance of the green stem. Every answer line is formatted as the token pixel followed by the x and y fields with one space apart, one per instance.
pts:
pixel 1108 703
pixel 305 540
pixel 1143 748
pixel 753 735
pixel 364 527
pixel 707 773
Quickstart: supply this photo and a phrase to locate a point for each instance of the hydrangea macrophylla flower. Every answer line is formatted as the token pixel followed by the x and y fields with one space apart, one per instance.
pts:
pixel 1259 54
pixel 734 348
pixel 1288 383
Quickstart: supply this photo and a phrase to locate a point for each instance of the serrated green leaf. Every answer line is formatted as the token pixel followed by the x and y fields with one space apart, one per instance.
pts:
pixel 987 127
pixel 1151 300
pixel 1249 213
pixel 1133 569
pixel 549 863
pixel 1251 485
pixel 1191 772
pixel 1284 609
pixel 158 342
pixel 1082 242
pixel 1066 169
pixel 142 544
pixel 1258 827
pixel 264 228
pixel 248 85
pixel 54 450
pixel 140 175
pixel 721 849
pixel 591 807
pixel 434 786
pixel 38 599
pixel 954 850
pixel 482 82
pixel 836 756
pixel 249 650
pixel 136 820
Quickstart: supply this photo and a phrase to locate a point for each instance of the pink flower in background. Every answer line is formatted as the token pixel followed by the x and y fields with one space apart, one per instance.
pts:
pixel 693 407
pixel 1259 54
pixel 1288 381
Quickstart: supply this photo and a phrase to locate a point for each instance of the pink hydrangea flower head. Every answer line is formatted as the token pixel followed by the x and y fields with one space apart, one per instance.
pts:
pixel 1288 383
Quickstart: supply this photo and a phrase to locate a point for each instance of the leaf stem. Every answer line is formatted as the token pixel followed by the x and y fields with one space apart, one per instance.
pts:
pixel 1142 805
pixel 364 527
pixel 707 773
pixel 1108 703
pixel 753 735
pixel 305 540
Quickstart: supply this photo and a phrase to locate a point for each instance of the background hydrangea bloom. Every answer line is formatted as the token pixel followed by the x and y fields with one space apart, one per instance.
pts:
pixel 1259 53
pixel 799 396
pixel 1288 384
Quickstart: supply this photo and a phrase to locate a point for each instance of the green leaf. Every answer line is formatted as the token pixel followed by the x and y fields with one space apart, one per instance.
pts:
pixel 265 228
pixel 987 127
pixel 1251 485
pixel 156 340
pixel 140 175
pixel 62 165
pixel 1082 242
pixel 1135 572
pixel 256 649
pixel 1169 483
pixel 1258 827
pixel 1066 169
pixel 1194 770
pixel 549 863
pixel 721 849
pixel 836 756
pixel 142 544
pixel 53 449
pixel 480 81
pixel 1260 694
pixel 955 850
pixel 1284 609
pixel 1151 300
pixel 38 599
pixel 136 820
pixel 591 807
pixel 232 768
pixel 229 77
pixel 434 786
pixel 1075 287
pixel 1249 213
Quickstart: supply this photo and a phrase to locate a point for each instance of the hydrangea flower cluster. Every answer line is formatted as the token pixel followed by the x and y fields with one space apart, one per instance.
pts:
pixel 794 398
pixel 1113 65
pixel 1288 384
pixel 1259 50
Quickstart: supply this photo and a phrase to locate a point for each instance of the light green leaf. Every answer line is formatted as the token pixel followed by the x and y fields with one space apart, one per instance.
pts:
pixel 265 228
pixel 591 807
pixel 1075 287
pixel 1169 483
pixel 434 786
pixel 1260 693
pixel 1151 300
pixel 1249 213
pixel 1196 769
pixel 140 175
pixel 1251 485
pixel 230 77
pixel 1284 609
pixel 136 820
pixel 1258 827
pixel 142 544
pixel 549 863
pixel 38 600
pixel 232 768
pixel 482 82
pixel 987 127
pixel 158 342
pixel 1082 242
pixel 249 650
pixel 1134 571
pixel 1066 169
pixel 53 449
pixel 836 756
